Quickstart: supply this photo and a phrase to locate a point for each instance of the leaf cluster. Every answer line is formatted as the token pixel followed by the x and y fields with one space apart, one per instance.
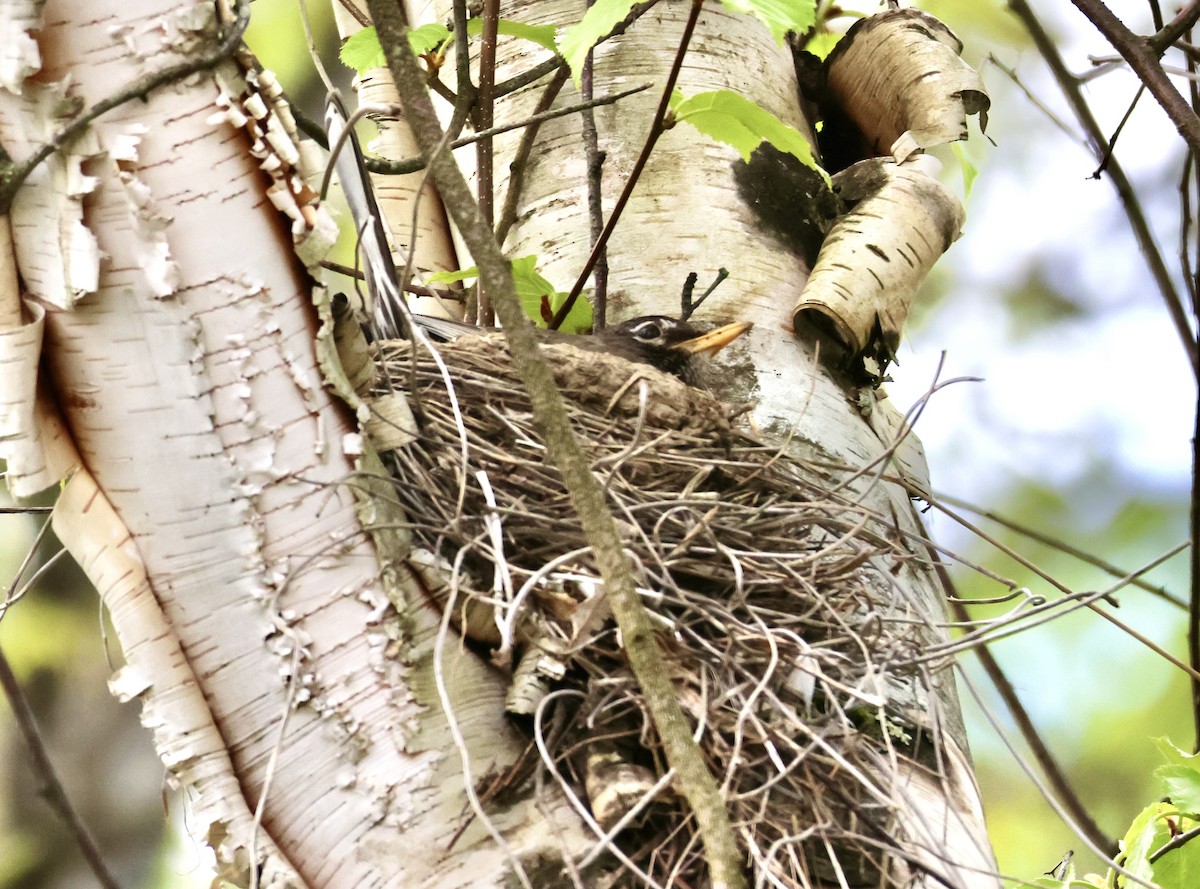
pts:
pixel 1159 848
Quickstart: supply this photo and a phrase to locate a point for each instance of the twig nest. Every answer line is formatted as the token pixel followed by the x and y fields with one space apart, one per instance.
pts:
pixel 608 384
pixel 767 581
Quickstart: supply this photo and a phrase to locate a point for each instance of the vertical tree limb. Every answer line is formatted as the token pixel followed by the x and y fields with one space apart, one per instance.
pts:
pixel 695 781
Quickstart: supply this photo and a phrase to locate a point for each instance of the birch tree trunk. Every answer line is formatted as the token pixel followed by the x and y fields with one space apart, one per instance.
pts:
pixel 223 500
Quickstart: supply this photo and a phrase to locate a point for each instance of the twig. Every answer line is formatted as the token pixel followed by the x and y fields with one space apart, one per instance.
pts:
pixel 1112 140
pixel 1125 190
pixel 656 130
pixel 999 732
pixel 1179 26
pixel 595 192
pixel 695 781
pixel 13 175
pixel 52 788
pixel 1049 765
pixel 1143 59
pixel 557 63
pixel 520 161
pixel 1063 547
pixel 1193 636
pixel 484 156
pixel 377 165
pixel 1175 842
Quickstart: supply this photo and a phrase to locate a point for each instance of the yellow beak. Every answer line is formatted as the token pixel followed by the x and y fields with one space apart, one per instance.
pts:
pixel 715 340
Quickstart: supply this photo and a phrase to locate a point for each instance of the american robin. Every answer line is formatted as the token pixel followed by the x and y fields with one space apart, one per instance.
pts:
pixel 668 344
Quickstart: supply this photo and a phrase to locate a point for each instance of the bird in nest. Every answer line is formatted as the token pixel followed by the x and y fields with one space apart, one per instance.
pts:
pixel 671 345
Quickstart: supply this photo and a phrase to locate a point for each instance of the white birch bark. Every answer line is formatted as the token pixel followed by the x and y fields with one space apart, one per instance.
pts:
pixel 223 529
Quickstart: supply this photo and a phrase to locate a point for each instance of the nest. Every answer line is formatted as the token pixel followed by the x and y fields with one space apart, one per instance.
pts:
pixel 765 587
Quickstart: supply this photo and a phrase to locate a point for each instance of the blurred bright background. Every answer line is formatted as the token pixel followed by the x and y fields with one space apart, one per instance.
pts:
pixel 1080 429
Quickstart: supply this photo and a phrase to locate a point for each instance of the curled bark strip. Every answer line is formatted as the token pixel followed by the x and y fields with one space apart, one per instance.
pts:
pixel 877 255
pixel 899 78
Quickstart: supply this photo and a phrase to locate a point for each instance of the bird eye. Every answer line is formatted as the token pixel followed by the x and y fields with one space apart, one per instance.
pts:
pixel 648 330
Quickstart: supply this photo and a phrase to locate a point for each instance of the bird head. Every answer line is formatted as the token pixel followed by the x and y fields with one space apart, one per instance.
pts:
pixel 669 344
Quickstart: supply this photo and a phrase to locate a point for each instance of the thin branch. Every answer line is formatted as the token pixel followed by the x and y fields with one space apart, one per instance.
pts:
pixel 13 175
pixel 595 193
pixel 1125 191
pixel 1193 636
pixel 52 788
pixel 695 782
pixel 656 130
pixel 1063 547
pixel 557 63
pixel 543 113
pixel 1143 59
pixel 1180 25
pixel 1045 759
pixel 1176 842
pixel 484 156
pixel 1112 140
pixel 520 161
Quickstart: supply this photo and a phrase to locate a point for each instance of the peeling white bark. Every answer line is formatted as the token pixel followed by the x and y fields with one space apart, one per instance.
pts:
pixel 899 77
pixel 877 255
pixel 261 642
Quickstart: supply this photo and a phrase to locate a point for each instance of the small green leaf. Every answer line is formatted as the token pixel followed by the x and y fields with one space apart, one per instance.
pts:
pixel 740 123
pixel 362 51
pixel 1174 755
pixel 452 277
pixel 542 35
pixel 970 172
pixel 822 44
pixel 428 37
pixel 780 16
pixel 1182 785
pixel 1145 834
pixel 532 289
pixel 600 18
pixel 1179 868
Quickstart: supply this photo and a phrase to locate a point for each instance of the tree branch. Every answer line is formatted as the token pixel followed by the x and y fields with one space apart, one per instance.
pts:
pixel 656 130
pixel 52 789
pixel 1143 59
pixel 696 783
pixel 1125 190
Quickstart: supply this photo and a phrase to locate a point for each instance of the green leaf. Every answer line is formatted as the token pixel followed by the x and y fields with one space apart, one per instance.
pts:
pixel 740 123
pixel 1174 755
pixel 542 35
pixel 822 44
pixel 537 294
pixel 1145 834
pixel 428 37
pixel 600 18
pixel 452 277
pixel 1180 867
pixel 1182 785
pixel 533 290
pixel 362 51
pixel 780 16
pixel 969 171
